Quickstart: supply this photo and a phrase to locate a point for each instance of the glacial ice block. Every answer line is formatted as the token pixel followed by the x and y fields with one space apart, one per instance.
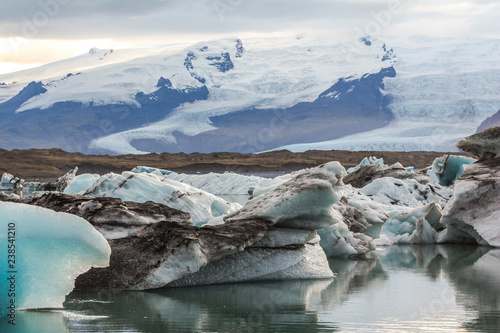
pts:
pixel 415 226
pixel 48 251
pixel 303 202
pixel 81 183
pixel 473 213
pixel 449 168
pixel 227 183
pixel 142 187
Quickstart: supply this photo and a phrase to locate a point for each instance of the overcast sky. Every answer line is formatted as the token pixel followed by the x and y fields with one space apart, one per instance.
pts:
pixel 34 32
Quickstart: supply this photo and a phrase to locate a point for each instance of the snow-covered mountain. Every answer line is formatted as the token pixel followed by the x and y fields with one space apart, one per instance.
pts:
pixel 256 94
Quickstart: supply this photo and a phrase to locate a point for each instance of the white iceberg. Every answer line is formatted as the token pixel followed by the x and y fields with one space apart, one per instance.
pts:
pixel 338 241
pixel 48 251
pixel 369 160
pixel 81 183
pixel 227 183
pixel 273 237
pixel 303 202
pixel 10 184
pixel 142 187
pixel 398 194
pixel 416 226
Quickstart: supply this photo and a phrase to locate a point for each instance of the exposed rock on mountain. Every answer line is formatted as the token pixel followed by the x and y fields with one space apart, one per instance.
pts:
pixel 493 121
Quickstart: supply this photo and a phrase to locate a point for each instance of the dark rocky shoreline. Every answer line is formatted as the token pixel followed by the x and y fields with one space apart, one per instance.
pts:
pixel 49 164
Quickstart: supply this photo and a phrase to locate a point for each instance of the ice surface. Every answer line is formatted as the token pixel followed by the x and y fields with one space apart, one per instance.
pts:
pixel 302 202
pixel 254 264
pixel 51 250
pixel 368 161
pixel 338 241
pixel 449 168
pixel 10 184
pixel 439 80
pixel 81 183
pixel 415 226
pixel 397 194
pixel 472 214
pixel 142 187
pixel 227 183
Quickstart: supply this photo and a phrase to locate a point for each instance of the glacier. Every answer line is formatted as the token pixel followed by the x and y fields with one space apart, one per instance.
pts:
pixel 437 81
pixel 429 93
pixel 51 250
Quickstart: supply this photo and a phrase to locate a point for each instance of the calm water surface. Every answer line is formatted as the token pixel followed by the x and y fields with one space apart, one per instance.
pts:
pixel 399 289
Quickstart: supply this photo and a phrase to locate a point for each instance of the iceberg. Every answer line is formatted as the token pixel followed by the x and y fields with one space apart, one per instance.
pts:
pixel 142 187
pixel 112 217
pixel 415 226
pixel 272 237
pixel 400 194
pixel 368 173
pixel 81 183
pixel 227 183
pixel 361 214
pixel 47 251
pixel 338 241
pixel 357 220
pixel 369 160
pixel 32 188
pixel 449 168
pixel 302 202
pixel 10 184
pixel 473 213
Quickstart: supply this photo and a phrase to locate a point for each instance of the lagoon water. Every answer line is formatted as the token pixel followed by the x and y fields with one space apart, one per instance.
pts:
pixel 397 289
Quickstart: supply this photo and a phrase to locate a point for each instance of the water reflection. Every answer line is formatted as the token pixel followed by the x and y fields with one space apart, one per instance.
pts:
pixel 401 288
pixel 251 307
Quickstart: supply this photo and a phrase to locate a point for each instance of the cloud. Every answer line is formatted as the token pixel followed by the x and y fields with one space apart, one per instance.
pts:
pixel 119 19
pixel 56 25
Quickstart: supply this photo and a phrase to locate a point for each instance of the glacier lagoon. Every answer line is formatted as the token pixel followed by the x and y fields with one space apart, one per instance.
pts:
pixel 398 288
pixel 431 288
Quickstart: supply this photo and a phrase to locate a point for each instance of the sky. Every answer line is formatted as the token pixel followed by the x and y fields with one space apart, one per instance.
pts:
pixel 35 32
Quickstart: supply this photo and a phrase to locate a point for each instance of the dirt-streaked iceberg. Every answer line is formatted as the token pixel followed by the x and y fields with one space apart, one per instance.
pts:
pixel 473 213
pixel 273 237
